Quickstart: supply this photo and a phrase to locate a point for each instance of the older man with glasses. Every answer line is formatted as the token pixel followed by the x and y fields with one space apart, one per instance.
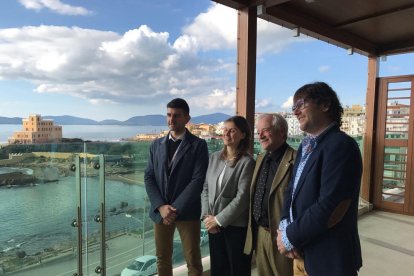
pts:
pixel 270 178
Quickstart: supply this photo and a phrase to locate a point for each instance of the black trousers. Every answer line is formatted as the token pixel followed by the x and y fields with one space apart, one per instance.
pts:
pixel 226 253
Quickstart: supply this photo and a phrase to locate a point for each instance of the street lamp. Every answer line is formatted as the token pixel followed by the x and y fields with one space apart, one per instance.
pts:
pixel 143 230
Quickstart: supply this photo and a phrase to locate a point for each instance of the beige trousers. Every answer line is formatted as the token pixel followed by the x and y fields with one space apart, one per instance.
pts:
pixel 299 268
pixel 268 259
pixel 190 239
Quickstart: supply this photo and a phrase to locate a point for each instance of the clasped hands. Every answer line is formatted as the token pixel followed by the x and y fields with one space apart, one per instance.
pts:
pixel 293 254
pixel 211 224
pixel 168 214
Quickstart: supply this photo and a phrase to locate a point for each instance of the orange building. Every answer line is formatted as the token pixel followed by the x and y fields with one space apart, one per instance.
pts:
pixel 36 131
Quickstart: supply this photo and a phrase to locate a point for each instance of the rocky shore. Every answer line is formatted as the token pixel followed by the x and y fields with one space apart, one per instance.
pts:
pixel 16 178
pixel 47 170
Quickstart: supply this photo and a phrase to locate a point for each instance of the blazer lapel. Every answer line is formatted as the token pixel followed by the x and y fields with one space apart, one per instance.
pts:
pixel 227 174
pixel 184 146
pixel 282 170
pixel 164 153
pixel 259 161
pixel 309 164
pixel 212 192
pixel 313 157
pixel 163 158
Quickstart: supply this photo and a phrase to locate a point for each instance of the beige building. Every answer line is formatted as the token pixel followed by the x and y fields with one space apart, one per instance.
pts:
pixel 36 131
pixel 147 136
pixel 353 120
pixel 201 129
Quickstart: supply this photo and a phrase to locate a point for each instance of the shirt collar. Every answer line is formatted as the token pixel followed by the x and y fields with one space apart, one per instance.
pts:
pixel 276 154
pixel 181 137
pixel 318 137
pixel 310 142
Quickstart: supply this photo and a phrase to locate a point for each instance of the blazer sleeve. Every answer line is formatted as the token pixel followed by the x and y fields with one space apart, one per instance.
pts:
pixel 151 185
pixel 287 196
pixel 240 203
pixel 193 190
pixel 204 193
pixel 339 170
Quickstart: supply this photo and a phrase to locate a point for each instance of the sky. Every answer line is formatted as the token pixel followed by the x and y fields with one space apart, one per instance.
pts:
pixel 107 59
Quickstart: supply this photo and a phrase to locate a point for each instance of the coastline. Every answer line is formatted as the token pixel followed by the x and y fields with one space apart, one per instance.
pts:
pixel 130 178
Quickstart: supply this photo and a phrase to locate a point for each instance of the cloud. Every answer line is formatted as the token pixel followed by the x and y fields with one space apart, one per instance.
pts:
pixel 324 68
pixel 273 39
pixel 288 103
pixel 393 68
pixel 138 67
pixel 262 103
pixel 224 100
pixel 55 6
pixel 216 29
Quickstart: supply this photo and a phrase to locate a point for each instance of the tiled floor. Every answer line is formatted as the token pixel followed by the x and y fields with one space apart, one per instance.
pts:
pixel 387 242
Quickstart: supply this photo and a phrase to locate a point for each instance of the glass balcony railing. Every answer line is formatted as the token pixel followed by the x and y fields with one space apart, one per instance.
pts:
pixel 39 209
pixel 42 200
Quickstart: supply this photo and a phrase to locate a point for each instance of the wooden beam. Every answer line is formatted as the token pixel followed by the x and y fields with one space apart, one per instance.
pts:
pixel 370 132
pixel 397 47
pixel 246 63
pixel 382 13
pixel 267 3
pixel 289 17
pixel 235 4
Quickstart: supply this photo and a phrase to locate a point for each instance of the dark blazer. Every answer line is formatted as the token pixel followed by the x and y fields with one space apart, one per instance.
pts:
pixel 231 204
pixel 325 206
pixel 185 181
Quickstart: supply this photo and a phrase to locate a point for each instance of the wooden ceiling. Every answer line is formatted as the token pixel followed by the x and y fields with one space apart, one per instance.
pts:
pixel 369 27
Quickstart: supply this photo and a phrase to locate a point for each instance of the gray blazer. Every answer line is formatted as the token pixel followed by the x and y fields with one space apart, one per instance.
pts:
pixel 230 205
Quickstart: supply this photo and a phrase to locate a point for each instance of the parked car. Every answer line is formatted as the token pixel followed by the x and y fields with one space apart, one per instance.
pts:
pixel 203 237
pixel 141 266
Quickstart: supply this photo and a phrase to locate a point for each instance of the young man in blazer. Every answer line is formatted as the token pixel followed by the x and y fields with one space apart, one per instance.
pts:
pixel 174 179
pixel 319 223
pixel 271 176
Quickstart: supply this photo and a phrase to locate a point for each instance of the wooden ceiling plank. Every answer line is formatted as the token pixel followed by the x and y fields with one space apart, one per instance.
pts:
pixel 267 3
pixel 375 15
pixel 315 26
pixel 397 47
pixel 235 4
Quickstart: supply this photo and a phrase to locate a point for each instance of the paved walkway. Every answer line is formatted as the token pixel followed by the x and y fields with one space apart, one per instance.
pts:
pixel 387 242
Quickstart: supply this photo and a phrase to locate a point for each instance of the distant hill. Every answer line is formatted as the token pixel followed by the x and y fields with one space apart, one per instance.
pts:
pixel 11 121
pixel 146 120
pixel 70 120
pixel 111 122
pixel 210 118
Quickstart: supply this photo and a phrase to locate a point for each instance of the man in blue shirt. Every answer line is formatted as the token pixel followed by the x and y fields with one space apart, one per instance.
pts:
pixel 319 219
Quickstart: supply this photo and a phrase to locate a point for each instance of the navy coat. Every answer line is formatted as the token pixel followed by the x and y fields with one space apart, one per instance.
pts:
pixel 185 181
pixel 325 206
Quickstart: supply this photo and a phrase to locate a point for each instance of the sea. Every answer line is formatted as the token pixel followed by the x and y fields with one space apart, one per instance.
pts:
pixel 110 133
pixel 37 217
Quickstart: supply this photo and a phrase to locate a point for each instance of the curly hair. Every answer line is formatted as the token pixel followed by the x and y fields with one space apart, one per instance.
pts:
pixel 321 93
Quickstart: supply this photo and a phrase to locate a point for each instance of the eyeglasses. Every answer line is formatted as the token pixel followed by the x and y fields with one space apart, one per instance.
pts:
pixel 299 105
